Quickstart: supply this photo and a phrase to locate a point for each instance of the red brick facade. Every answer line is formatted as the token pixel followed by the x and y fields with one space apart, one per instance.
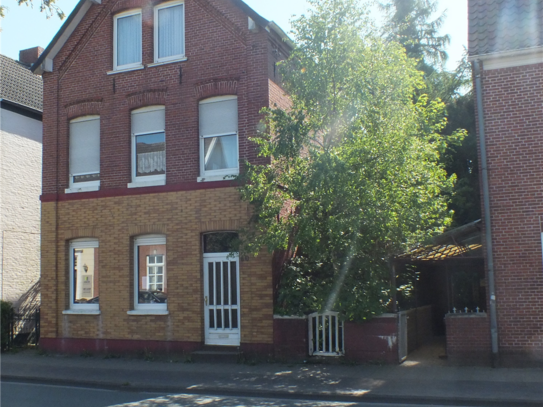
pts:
pixel 468 338
pixel 223 57
pixel 512 100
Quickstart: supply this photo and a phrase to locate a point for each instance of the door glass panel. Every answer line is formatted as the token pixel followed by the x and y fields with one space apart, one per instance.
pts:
pixel 219 318
pixel 218 281
pixel 212 318
pixel 225 283
pixel 234 318
pixel 233 283
pixel 210 283
pixel 223 242
pixel 227 318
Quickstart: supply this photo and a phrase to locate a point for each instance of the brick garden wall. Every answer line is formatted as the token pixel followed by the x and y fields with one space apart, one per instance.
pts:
pixel 468 338
pixel 372 341
pixel 514 125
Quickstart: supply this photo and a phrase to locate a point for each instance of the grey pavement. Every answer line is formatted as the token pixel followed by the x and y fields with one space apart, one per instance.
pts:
pixel 412 382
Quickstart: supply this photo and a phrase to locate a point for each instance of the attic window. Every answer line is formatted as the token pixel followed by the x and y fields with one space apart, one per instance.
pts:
pixel 127 40
pixel 169 31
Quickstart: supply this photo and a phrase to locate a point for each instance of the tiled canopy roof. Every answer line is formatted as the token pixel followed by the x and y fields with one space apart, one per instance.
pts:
pixel 504 25
pixel 19 85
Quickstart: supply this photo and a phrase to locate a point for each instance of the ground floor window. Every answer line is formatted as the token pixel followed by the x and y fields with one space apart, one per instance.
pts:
pixel 151 289
pixel 84 274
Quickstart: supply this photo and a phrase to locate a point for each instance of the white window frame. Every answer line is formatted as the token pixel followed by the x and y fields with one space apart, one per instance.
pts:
pixel 215 175
pixel 159 309
pixel 172 58
pixel 132 65
pixel 76 308
pixel 149 180
pixel 82 186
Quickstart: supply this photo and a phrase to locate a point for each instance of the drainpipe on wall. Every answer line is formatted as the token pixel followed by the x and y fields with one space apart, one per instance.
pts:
pixel 486 203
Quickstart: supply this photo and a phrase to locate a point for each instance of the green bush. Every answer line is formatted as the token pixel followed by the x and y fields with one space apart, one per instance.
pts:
pixel 5 316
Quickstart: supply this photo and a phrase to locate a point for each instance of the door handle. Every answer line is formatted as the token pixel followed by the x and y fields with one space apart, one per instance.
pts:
pixel 205 299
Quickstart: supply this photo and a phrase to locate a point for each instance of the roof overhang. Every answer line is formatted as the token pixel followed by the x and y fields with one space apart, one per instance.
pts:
pixel 510 58
pixel 45 61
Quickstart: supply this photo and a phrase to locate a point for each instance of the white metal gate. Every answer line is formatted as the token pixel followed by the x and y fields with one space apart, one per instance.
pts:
pixel 402 336
pixel 326 336
pixel 221 299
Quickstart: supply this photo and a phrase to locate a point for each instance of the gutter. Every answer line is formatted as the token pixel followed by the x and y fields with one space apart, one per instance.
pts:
pixel 486 203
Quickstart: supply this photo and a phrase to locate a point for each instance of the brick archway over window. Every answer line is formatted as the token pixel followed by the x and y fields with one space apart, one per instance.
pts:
pixel 87 107
pixel 216 87
pixel 146 98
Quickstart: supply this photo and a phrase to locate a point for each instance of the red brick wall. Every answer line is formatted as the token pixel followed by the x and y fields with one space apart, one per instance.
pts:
pixel 372 341
pixel 468 338
pixel 514 125
pixel 290 338
pixel 219 47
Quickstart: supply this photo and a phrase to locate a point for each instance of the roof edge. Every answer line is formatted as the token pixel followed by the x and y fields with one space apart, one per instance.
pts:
pixel 69 25
pixel 44 62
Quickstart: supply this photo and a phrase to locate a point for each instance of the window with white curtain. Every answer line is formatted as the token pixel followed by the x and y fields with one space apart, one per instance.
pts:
pixel 148 146
pixel 84 154
pixel 219 137
pixel 169 31
pixel 127 40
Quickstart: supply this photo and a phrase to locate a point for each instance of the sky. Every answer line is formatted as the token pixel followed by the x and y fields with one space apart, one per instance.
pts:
pixel 25 27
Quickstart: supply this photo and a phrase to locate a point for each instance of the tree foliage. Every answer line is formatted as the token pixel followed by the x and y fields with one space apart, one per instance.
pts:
pixel 49 7
pixel 412 23
pixel 354 171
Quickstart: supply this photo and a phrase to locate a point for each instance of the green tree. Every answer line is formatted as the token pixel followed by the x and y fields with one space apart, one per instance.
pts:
pixel 412 24
pixel 353 173
pixel 49 7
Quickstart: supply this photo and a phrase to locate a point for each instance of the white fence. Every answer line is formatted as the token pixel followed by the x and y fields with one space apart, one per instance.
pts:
pixel 326 336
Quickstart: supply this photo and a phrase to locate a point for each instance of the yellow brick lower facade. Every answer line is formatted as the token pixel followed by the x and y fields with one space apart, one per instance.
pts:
pixel 182 217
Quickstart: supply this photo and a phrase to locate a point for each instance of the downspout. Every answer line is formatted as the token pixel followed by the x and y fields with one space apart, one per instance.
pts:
pixel 486 203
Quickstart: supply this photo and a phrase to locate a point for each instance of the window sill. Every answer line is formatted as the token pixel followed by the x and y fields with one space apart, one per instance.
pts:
pixel 148 312
pixel 81 189
pixel 135 68
pixel 225 177
pixel 173 61
pixel 81 312
pixel 140 184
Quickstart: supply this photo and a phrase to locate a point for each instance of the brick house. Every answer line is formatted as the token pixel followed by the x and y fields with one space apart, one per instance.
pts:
pixel 20 180
pixel 147 107
pixel 506 48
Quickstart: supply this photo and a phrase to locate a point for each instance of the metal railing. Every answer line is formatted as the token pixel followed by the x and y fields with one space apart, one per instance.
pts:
pixel 326 337
pixel 24 329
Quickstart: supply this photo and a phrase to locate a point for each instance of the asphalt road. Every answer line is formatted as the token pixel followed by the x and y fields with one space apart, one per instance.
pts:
pixel 15 394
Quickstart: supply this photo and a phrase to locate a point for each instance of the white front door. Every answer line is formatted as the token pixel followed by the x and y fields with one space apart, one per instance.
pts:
pixel 221 299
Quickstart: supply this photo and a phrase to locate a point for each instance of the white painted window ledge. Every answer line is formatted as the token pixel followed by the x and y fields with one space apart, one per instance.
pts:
pixel 135 68
pixel 81 312
pixel 140 184
pixel 167 62
pixel 217 178
pixel 148 312
pixel 81 189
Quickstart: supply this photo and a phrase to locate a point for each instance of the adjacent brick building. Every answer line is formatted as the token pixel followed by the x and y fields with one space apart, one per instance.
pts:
pixel 147 107
pixel 506 43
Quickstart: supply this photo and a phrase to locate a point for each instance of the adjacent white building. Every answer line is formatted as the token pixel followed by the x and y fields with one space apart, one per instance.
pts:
pixel 21 95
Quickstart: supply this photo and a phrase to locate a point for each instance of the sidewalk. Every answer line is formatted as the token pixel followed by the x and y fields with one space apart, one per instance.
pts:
pixel 408 382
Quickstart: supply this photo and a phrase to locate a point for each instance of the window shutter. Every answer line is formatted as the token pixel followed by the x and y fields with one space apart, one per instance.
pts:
pixel 219 118
pixel 170 31
pixel 85 146
pixel 148 121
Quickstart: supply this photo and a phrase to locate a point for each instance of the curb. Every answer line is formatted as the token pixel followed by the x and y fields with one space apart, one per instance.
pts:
pixel 277 394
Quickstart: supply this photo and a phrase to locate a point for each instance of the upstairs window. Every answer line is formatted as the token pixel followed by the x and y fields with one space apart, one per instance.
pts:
pixel 84 154
pixel 148 146
pixel 127 40
pixel 169 32
pixel 219 137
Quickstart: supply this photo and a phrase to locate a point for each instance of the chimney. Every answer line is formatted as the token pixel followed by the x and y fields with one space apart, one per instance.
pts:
pixel 30 55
